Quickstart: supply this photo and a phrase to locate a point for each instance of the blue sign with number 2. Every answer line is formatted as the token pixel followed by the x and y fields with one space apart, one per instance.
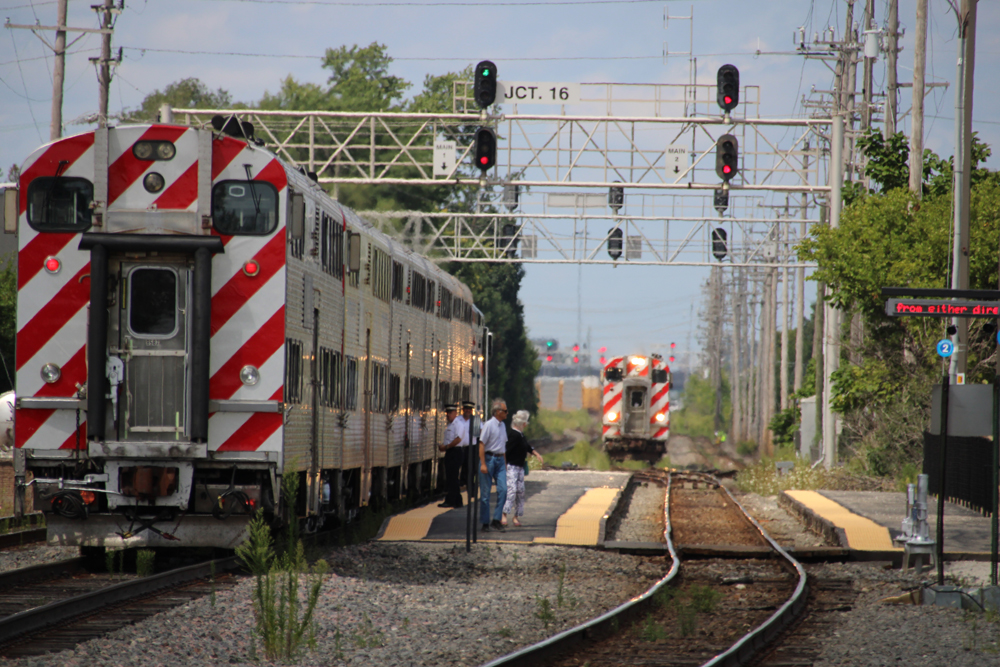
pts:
pixel 945 347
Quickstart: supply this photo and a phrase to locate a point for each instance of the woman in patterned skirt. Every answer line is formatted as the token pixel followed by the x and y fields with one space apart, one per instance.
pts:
pixel 517 459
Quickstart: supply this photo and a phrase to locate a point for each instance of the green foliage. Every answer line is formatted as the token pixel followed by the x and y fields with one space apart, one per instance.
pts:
pixel 651 631
pixel 145 562
pixel 888 160
pixel 704 599
pixel 281 626
pixel 8 321
pixel 190 93
pixel 583 455
pixel 687 620
pixel 784 424
pixel 544 612
pixel 366 635
pixel 762 478
pixel 697 418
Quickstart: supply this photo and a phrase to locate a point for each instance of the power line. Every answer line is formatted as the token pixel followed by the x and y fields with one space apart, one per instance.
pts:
pixel 454 3
pixel 144 49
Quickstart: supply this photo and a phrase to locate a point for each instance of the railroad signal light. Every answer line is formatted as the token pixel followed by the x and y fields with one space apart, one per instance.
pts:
pixel 728 87
pixel 721 201
pixel 602 349
pixel 485 153
pixel 719 246
pixel 485 86
pixel 576 360
pixel 548 357
pixel 603 361
pixel 576 348
pixel 615 243
pixel 727 153
pixel 551 345
pixel 616 197
pixel 508 240
pixel 671 358
pixel 673 345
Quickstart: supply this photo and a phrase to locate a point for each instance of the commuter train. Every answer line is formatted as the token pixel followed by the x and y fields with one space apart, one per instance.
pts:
pixel 197 319
pixel 636 407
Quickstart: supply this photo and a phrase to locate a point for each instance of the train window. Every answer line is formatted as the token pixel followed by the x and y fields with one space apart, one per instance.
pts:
pixel 637 398
pixel 419 290
pixel 431 296
pixel 444 310
pixel 393 392
pixel 397 281
pixel 329 377
pixel 332 246
pixel 244 207
pixel 613 375
pixel 293 371
pixel 153 302
pixel 659 375
pixel 444 394
pixel 381 268
pixel 351 386
pixel 60 204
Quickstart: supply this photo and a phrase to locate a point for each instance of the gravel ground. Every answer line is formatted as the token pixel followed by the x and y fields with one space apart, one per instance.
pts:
pixel 412 604
pixel 34 554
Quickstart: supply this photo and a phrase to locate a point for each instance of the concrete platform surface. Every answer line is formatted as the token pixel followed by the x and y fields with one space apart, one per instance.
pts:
pixel 965 531
pixel 561 507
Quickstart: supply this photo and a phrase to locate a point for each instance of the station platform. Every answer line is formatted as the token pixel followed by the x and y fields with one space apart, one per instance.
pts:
pixel 866 522
pixel 566 507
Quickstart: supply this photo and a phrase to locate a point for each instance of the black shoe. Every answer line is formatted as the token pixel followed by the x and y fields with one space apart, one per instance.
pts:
pixel 485 528
pixel 496 525
pixel 445 505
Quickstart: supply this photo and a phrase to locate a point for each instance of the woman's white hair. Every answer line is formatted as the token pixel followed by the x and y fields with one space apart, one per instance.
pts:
pixel 521 417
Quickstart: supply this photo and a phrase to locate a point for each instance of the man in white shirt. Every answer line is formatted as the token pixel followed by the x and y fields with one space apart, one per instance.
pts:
pixel 493 465
pixel 464 421
pixel 452 457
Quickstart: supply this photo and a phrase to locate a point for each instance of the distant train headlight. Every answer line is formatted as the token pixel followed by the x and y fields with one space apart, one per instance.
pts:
pixel 612 416
pixel 165 150
pixel 249 375
pixel 153 182
pixel 51 373
pixel 660 417
pixel 638 361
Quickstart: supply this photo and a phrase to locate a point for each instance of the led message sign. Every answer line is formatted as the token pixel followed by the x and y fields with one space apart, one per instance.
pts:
pixel 941 308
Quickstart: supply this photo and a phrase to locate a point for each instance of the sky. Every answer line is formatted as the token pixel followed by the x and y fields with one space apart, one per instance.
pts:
pixel 248 46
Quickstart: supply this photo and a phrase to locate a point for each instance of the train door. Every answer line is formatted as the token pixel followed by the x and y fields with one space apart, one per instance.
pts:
pixel 366 412
pixel 636 397
pixel 149 362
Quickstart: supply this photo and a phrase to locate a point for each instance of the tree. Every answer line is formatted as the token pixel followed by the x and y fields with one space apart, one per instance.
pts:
pixel 190 93
pixel 891 238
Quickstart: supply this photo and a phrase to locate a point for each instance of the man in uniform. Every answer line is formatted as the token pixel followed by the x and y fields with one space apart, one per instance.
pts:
pixel 452 457
pixel 493 465
pixel 465 424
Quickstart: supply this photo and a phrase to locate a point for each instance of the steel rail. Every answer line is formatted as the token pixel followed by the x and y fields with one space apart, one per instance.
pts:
pixel 23 575
pixel 559 643
pixel 740 653
pixel 55 613
pixel 19 537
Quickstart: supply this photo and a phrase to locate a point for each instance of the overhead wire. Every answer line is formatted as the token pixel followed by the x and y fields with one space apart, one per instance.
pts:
pixel 31 109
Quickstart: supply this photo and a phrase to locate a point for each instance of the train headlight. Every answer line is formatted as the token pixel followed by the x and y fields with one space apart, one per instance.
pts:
pixel 143 150
pixel 249 375
pixel 638 361
pixel 51 373
pixel 153 182
pixel 612 416
pixel 165 150
pixel 660 417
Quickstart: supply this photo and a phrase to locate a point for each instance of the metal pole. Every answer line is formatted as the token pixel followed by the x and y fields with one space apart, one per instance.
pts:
pixel 995 522
pixel 891 83
pixel 831 342
pixel 104 66
pixel 917 128
pixel 58 72
pixel 942 461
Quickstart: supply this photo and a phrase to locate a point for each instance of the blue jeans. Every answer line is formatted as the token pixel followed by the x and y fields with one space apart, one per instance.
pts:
pixel 498 473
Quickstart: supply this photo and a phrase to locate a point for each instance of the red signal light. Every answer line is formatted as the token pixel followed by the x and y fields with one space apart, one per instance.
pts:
pixel 728 100
pixel 603 361
pixel 671 359
pixel 576 360
pixel 602 349
pixel 548 358
pixel 726 169
pixel 484 160
pixel 673 345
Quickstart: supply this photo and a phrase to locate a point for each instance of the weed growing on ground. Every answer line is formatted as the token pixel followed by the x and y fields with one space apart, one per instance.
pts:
pixel 505 632
pixel 544 613
pixel 338 644
pixel 562 581
pixel 664 596
pixel 145 562
pixel 704 598
pixel 651 631
pixel 687 619
pixel 366 636
pixel 276 603
pixel 211 579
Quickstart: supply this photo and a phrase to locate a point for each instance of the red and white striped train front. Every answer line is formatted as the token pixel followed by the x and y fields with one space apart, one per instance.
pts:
pixel 636 402
pixel 150 334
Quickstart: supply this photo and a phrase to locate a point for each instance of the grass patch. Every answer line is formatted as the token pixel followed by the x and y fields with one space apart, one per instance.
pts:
pixel 583 455
pixel 145 562
pixel 763 479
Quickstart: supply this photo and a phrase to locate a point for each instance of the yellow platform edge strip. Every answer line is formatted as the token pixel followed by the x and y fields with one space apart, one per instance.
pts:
pixel 581 524
pixel 414 525
pixel 863 534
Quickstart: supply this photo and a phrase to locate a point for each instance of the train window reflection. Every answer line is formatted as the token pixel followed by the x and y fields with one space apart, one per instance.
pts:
pixel 637 399
pixel 60 204
pixel 245 207
pixel 153 303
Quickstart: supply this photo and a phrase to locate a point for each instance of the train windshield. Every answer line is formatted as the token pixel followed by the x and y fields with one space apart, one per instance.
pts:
pixel 153 310
pixel 59 204
pixel 245 207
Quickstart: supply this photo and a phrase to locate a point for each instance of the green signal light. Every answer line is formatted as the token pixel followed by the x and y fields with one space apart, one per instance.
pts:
pixel 486 72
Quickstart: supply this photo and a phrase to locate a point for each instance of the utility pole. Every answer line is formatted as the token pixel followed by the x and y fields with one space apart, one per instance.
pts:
pixel 800 285
pixel 104 62
pixel 961 190
pixel 831 338
pixel 869 65
pixel 917 131
pixel 891 57
pixel 59 49
pixel 783 362
pixel 735 373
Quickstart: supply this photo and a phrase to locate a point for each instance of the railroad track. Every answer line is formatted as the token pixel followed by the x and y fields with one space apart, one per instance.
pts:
pixel 720 608
pixel 56 606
